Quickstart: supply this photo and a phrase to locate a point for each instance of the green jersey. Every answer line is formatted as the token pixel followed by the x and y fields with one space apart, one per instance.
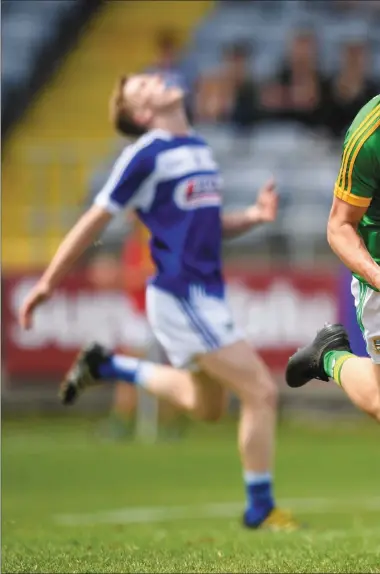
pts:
pixel 358 181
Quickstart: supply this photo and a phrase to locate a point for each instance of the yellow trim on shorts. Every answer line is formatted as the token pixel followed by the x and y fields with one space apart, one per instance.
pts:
pixel 351 198
pixel 355 137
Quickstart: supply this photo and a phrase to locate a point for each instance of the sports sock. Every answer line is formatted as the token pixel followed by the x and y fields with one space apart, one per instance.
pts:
pixel 333 362
pixel 129 369
pixel 260 501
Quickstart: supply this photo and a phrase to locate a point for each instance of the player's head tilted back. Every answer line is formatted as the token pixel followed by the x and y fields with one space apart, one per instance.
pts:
pixel 138 102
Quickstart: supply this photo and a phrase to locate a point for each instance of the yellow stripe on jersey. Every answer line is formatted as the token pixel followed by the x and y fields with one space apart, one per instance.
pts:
pixel 345 193
pixel 359 146
pixel 351 198
pixel 351 144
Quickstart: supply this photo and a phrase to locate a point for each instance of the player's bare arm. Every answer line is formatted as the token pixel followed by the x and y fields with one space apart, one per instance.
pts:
pixel 263 211
pixel 81 236
pixel 345 241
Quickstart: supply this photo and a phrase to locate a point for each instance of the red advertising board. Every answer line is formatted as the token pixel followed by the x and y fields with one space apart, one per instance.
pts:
pixel 279 311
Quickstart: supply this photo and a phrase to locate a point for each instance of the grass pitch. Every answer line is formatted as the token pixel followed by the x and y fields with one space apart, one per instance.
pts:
pixel 72 504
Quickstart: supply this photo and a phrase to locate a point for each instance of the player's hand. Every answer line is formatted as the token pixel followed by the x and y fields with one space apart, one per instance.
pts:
pixel 37 296
pixel 267 202
pixel 266 207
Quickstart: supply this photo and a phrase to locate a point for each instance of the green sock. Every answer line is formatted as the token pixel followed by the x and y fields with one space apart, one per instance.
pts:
pixel 333 362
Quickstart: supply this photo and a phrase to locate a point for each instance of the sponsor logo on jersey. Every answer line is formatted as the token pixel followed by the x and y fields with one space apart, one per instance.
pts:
pixel 198 191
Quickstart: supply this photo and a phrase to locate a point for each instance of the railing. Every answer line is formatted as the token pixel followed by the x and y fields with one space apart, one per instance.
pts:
pixel 53 181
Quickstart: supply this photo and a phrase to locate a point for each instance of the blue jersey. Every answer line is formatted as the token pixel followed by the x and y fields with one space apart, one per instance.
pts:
pixel 174 185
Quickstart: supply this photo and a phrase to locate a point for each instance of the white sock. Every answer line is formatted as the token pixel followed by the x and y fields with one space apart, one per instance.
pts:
pixel 251 477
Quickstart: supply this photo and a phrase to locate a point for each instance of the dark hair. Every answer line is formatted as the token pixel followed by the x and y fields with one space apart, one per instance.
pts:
pixel 120 115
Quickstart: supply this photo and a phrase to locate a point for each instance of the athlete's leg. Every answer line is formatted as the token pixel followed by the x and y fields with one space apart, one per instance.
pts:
pixel 125 398
pixel 329 356
pixel 210 397
pixel 242 371
pixel 234 367
pixel 199 333
pixel 360 379
pixel 95 366
pixel 237 368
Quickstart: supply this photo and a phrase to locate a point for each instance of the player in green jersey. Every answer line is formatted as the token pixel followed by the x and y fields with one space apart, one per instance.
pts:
pixel 354 235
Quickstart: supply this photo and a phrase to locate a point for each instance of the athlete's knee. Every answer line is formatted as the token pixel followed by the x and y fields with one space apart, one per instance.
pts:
pixel 211 414
pixel 262 392
pixel 260 387
pixel 209 407
pixel 269 392
pixel 208 411
pixel 209 398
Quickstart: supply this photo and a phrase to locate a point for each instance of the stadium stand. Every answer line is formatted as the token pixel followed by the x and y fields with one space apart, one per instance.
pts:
pixel 35 38
pixel 69 148
pixel 51 154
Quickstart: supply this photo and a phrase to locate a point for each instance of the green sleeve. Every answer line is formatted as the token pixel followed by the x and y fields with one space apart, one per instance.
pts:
pixel 358 176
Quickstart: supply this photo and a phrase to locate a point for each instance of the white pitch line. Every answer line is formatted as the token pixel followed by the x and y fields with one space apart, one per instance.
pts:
pixel 135 515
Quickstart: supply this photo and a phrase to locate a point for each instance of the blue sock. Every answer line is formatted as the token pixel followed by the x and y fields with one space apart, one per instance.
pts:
pixel 259 497
pixel 121 368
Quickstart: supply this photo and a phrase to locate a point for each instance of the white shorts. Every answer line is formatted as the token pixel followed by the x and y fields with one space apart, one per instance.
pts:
pixel 187 328
pixel 367 303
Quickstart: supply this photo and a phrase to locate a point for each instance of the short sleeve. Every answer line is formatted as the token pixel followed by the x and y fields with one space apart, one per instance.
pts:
pixel 357 181
pixel 126 179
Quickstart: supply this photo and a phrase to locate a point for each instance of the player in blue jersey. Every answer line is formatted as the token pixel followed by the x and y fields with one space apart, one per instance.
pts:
pixel 171 180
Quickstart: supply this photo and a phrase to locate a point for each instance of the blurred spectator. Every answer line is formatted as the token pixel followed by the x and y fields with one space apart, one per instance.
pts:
pixel 300 90
pixel 344 5
pixel 170 65
pixel 350 10
pixel 372 6
pixel 351 88
pixel 356 8
pixel 231 94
